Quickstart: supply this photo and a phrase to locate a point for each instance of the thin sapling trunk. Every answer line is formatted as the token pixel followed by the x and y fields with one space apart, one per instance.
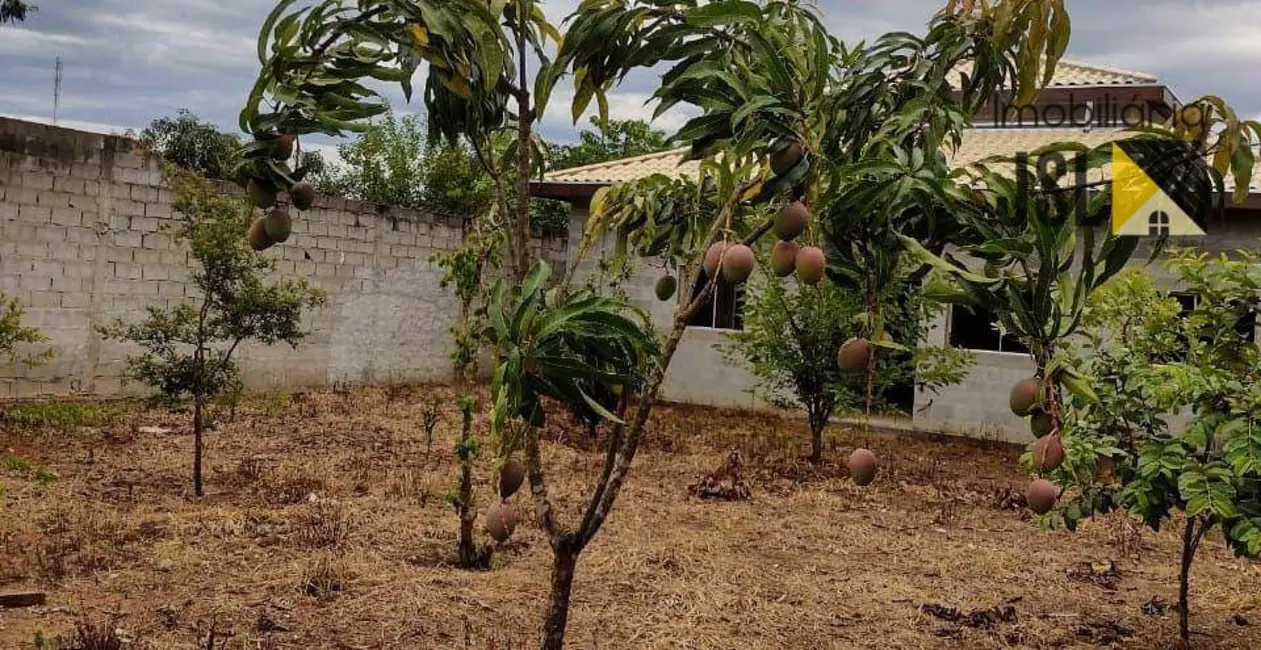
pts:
pixel 198 427
pixel 469 557
pixel 1190 544
pixel 624 443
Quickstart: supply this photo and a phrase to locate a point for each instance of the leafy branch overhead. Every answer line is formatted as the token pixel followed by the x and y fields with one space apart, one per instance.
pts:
pixel 573 346
pixel 315 60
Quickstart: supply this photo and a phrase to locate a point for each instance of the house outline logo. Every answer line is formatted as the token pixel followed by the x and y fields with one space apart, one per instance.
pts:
pixel 1158 190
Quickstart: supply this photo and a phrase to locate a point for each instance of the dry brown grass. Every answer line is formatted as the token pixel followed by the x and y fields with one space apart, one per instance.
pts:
pixel 326 526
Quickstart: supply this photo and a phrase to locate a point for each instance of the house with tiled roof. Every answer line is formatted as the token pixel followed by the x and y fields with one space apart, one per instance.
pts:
pixel 1085 103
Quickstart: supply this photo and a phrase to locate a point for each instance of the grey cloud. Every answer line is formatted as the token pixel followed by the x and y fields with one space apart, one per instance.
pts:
pixel 129 61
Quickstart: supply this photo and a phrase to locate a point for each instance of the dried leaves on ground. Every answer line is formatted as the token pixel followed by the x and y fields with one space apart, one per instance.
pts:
pixel 327 525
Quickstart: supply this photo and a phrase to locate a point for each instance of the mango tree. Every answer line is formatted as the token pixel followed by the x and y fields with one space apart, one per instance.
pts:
pixel 790 340
pixel 767 79
pixel 189 348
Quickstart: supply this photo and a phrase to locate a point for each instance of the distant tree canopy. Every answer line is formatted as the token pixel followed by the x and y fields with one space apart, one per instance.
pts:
pixel 14 10
pixel 394 163
pixel 189 142
pixel 612 141
pixel 193 144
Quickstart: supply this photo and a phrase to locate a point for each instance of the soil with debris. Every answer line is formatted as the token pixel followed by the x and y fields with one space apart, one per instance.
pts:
pixel 327 524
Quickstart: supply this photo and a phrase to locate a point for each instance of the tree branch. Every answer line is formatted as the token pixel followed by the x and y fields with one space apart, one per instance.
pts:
pixel 616 477
pixel 538 486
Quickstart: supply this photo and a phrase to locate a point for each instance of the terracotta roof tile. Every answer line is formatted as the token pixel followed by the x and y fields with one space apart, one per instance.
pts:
pixel 978 144
pixel 1077 73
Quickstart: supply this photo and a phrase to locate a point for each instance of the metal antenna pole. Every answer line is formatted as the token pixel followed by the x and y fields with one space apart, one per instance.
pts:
pixel 57 90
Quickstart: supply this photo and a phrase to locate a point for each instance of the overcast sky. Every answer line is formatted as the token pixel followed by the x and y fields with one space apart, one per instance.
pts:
pixel 129 61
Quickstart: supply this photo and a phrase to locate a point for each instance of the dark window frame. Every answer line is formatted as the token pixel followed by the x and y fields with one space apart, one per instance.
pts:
pixel 1159 224
pixel 974 328
pixel 724 310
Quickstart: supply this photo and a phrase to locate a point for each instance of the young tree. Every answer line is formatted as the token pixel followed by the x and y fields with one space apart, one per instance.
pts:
pixel 790 340
pixel 583 350
pixel 13 334
pixel 466 270
pixel 772 114
pixel 188 348
pixel 1150 364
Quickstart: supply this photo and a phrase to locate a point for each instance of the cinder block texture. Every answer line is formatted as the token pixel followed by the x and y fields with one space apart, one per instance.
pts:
pixel 83 241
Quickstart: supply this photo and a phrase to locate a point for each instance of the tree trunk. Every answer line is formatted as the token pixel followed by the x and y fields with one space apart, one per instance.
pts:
pixel 198 426
pixel 525 117
pixel 873 314
pixel 467 549
pixel 1184 583
pixel 564 561
pixel 816 441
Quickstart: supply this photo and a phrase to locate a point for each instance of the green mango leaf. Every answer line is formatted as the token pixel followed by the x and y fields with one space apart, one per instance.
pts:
pixel 727 12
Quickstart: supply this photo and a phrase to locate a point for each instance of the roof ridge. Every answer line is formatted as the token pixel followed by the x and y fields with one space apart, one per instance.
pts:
pixel 1112 69
pixel 619 161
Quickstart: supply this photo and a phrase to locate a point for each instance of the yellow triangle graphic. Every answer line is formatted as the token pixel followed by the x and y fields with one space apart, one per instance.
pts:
pixel 1132 188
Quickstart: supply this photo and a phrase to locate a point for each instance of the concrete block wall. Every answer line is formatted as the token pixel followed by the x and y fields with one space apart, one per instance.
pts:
pixel 82 244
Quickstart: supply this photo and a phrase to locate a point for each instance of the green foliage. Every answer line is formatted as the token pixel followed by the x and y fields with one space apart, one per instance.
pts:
pixel 64 416
pixel 394 163
pixel 15 463
pixel 1211 469
pixel 576 347
pixel 789 342
pixel 792 333
pixel 314 58
pixel 194 145
pixel 15 10
pixel 612 140
pixel 465 269
pixel 672 217
pixel 189 347
pixel 13 333
pixel 1020 257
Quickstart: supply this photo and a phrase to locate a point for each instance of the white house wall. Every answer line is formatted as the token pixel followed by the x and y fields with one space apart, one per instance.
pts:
pixel 976 407
pixel 698 374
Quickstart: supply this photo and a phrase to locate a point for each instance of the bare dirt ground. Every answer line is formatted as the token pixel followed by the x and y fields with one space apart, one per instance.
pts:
pixel 326 525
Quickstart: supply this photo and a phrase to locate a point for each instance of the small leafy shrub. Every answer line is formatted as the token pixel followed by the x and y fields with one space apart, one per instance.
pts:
pixel 188 349
pixel 13 333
